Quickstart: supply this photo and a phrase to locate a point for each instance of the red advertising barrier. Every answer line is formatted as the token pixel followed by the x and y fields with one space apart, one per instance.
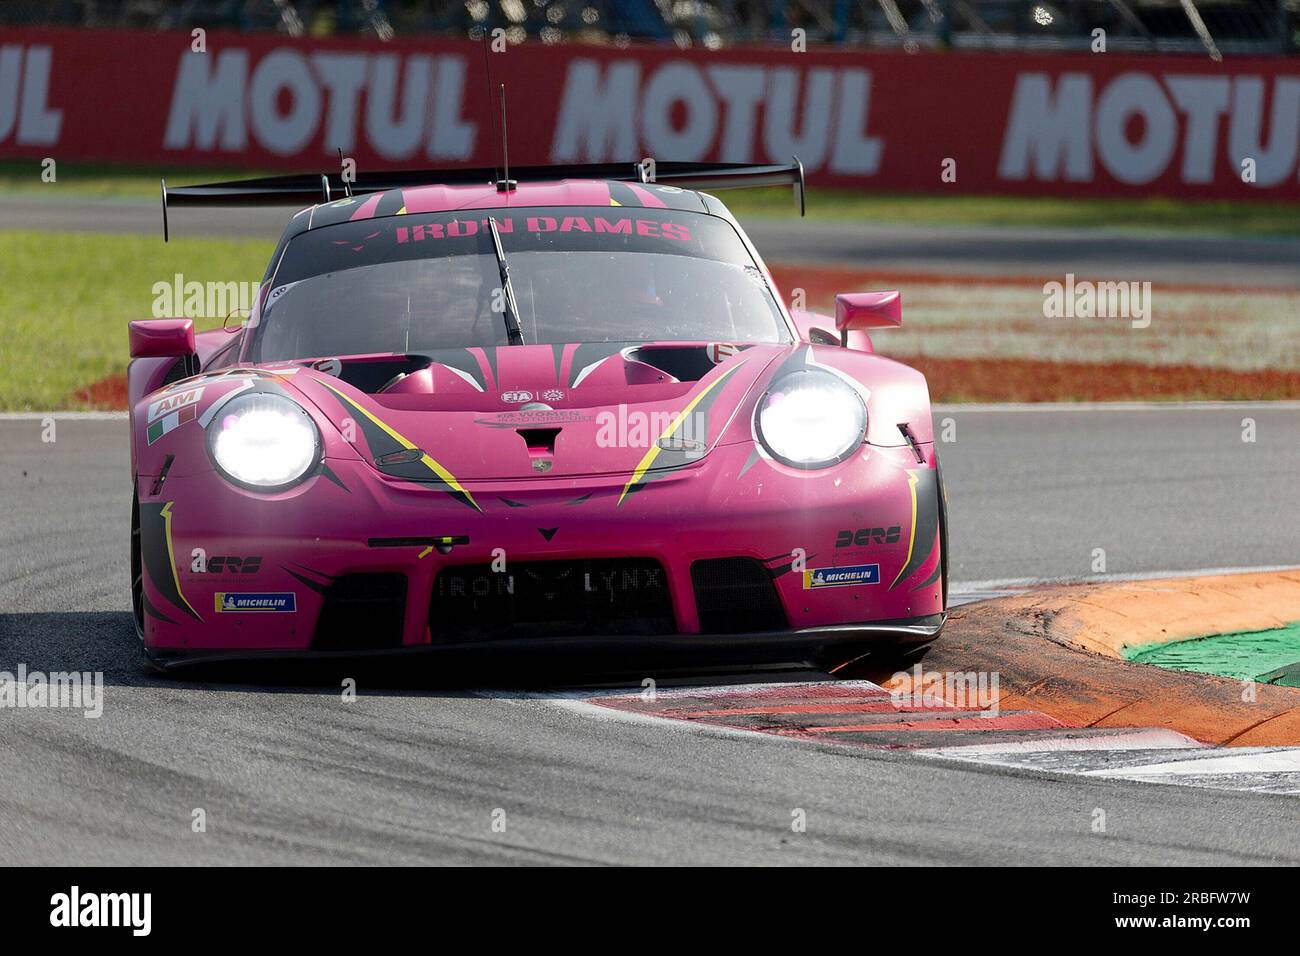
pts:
pixel 1070 124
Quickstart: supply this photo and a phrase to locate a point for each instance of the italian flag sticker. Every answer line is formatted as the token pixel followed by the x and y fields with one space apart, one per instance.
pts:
pixel 165 424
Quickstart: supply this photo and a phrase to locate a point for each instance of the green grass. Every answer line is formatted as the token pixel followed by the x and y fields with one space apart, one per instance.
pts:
pixel 65 300
pixel 842 205
pixel 1269 656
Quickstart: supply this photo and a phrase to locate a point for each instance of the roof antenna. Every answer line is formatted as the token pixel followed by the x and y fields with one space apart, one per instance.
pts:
pixel 487 69
pixel 506 184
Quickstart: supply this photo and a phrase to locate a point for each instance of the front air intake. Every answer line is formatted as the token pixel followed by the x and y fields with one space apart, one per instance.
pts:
pixel 362 612
pixel 736 596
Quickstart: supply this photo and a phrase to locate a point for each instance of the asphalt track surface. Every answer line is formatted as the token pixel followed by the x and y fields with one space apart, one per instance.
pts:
pixel 291 774
pixel 967 251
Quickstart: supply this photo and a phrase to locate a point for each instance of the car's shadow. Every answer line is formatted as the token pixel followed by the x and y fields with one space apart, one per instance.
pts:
pixel 105 642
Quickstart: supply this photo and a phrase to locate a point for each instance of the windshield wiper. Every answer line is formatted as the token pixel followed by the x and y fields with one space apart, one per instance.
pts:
pixel 514 334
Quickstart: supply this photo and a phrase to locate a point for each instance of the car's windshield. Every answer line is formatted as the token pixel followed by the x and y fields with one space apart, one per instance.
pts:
pixel 412 283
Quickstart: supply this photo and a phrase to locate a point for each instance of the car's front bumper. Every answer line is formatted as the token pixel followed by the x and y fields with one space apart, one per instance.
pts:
pixel 852 554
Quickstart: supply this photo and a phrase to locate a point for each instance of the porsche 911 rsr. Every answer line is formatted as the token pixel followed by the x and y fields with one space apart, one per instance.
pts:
pixel 560 412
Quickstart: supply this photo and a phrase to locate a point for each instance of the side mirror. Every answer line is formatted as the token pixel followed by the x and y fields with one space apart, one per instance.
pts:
pixel 162 338
pixel 867 310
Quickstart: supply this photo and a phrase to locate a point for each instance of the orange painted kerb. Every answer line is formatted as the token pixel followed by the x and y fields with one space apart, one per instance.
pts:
pixel 1111 617
pixel 1058 650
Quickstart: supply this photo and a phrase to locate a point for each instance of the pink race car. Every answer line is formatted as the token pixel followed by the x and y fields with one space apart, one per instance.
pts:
pixel 565 410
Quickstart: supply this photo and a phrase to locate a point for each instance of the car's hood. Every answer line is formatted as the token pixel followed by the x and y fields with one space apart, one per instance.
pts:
pixel 536 411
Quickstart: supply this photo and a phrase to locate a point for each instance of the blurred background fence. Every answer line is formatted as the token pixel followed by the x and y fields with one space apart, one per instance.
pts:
pixel 1214 27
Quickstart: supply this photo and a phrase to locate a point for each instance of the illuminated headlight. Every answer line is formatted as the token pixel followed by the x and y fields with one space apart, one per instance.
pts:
pixel 811 419
pixel 263 441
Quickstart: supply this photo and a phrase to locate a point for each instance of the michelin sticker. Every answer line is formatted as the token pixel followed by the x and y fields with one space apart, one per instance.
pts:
pixel 228 602
pixel 851 575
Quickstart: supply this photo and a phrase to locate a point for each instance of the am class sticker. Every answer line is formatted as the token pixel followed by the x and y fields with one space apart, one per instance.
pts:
pixel 848 576
pixel 173 402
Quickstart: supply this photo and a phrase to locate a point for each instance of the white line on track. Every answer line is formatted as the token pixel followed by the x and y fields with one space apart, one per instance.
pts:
pixel 1002 586
pixel 1118 738
pixel 1153 759
pixel 582 704
pixel 586 708
pixel 1239 760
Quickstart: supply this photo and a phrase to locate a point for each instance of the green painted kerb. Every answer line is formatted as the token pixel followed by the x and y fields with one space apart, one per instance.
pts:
pixel 1270 657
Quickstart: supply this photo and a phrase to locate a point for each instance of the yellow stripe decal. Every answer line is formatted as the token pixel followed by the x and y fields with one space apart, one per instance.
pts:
pixel 653 452
pixel 171 555
pixel 428 462
pixel 911 536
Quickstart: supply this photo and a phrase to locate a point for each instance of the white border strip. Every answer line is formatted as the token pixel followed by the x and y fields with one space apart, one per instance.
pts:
pixel 1230 761
pixel 1019 584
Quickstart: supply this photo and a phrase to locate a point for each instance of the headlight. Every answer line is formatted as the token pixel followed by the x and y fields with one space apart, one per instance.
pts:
pixel 263 441
pixel 811 419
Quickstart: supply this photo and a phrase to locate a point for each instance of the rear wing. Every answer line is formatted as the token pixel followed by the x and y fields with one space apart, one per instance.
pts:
pixel 306 189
